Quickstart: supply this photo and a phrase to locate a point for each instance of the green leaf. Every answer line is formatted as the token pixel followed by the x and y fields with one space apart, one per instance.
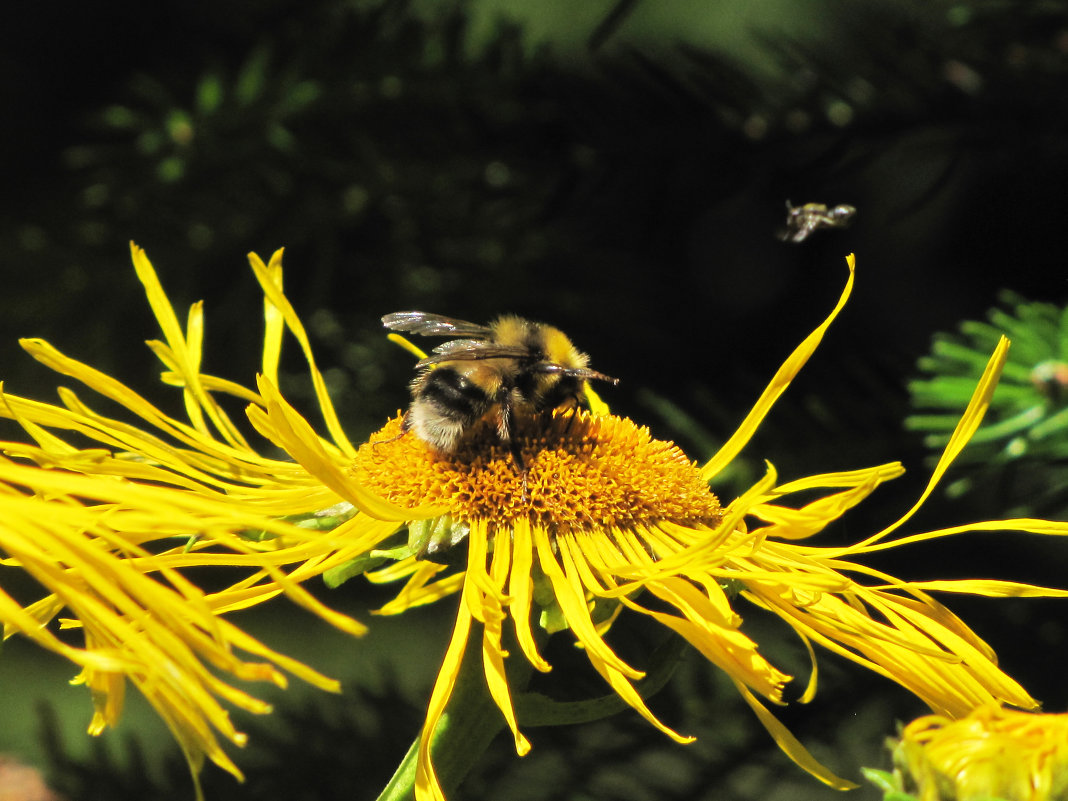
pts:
pixel 209 94
pixel 336 576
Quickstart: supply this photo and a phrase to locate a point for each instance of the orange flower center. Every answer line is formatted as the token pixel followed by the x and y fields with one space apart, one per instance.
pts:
pixel 582 472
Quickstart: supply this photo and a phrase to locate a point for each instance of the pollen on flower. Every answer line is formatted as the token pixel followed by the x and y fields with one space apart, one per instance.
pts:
pixel 582 472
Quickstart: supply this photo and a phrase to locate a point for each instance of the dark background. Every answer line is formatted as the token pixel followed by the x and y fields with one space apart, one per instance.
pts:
pixel 619 171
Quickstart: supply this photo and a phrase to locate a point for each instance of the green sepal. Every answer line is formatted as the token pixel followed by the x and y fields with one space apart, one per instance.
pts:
pixel 435 539
pixel 552 618
pixel 321 520
pixel 889 783
pixel 336 576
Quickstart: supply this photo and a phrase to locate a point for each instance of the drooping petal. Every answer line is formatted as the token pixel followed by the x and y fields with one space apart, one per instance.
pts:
pixel 493 654
pixel 427 787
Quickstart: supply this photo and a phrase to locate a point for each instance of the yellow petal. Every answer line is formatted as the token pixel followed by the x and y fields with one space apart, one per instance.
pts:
pixel 274 322
pixel 272 293
pixel 969 423
pixel 427 787
pixel 520 587
pixel 288 430
pixel 791 745
pixel 779 382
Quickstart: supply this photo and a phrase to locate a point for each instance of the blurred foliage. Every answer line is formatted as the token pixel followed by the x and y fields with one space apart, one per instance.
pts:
pixel 1019 457
pixel 405 167
pixel 629 192
pixel 344 748
pixel 890 784
pixel 341 747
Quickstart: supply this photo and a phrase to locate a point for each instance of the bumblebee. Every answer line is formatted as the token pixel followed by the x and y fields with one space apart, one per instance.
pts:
pixel 802 221
pixel 494 372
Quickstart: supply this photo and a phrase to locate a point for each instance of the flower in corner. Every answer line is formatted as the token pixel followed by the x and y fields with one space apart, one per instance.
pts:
pixel 992 752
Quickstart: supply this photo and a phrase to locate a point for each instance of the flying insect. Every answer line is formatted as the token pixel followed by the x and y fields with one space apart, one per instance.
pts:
pixel 803 221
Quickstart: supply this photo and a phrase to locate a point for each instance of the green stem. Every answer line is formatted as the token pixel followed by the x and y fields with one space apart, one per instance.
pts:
pixel 402 786
pixel 535 709
pixel 469 724
pixel 471 719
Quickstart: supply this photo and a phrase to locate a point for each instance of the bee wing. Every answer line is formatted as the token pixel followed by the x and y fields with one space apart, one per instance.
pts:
pixel 798 232
pixel 432 325
pixel 472 350
pixel 843 215
pixel 791 230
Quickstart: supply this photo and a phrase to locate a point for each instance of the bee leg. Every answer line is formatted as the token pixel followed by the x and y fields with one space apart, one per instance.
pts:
pixel 504 416
pixel 523 471
pixel 404 429
pixel 575 406
pixel 504 431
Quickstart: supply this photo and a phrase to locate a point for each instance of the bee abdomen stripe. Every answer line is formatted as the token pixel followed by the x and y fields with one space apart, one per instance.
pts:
pixel 449 390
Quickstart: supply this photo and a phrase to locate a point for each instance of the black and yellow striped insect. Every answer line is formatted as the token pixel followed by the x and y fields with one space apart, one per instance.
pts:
pixel 494 372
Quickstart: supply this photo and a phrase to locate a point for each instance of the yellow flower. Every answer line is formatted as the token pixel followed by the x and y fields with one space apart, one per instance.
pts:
pixel 108 531
pixel 610 512
pixel 605 519
pixel 991 753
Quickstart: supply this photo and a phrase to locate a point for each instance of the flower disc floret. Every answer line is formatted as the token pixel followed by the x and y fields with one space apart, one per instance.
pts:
pixel 582 472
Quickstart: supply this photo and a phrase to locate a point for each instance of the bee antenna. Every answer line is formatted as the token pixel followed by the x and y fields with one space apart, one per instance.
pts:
pixel 583 373
pixel 593 375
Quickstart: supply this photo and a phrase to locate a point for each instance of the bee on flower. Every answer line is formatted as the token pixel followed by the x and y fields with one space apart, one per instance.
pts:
pixel 512 367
